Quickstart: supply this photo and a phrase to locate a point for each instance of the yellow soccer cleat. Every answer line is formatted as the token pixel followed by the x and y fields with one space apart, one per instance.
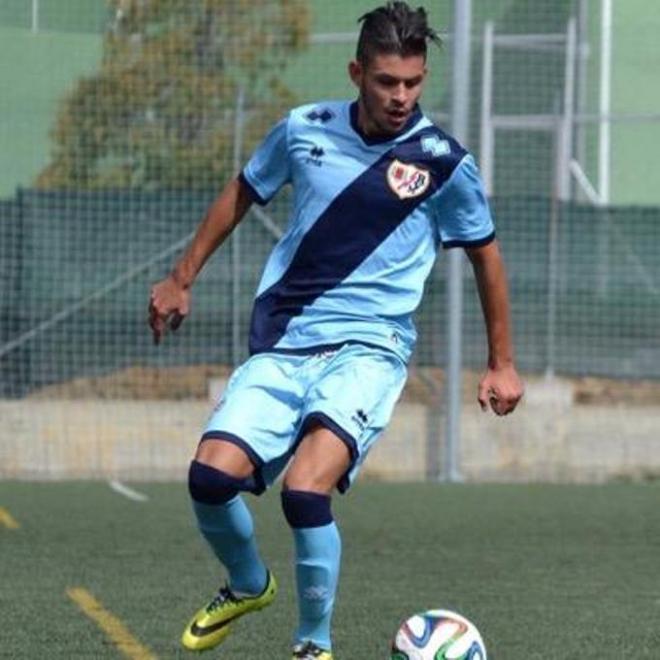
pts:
pixel 309 651
pixel 210 625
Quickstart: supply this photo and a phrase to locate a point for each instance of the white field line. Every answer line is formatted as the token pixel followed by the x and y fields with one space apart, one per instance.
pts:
pixel 124 490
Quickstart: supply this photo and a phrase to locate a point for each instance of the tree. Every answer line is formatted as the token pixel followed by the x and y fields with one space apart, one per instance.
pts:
pixel 161 112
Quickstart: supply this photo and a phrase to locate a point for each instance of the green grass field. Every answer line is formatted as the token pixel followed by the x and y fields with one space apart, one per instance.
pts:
pixel 547 572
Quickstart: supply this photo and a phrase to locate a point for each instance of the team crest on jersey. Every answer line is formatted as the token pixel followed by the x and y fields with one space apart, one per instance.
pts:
pixel 407 180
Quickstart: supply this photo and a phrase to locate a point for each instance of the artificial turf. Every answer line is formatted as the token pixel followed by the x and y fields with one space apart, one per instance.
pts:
pixel 546 572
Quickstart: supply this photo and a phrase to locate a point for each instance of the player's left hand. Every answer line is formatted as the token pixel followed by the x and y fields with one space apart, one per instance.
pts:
pixel 502 388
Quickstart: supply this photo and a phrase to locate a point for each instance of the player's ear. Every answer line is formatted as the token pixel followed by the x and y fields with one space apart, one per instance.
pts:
pixel 355 72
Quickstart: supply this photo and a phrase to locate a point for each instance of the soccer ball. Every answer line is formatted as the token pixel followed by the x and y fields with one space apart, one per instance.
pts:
pixel 438 635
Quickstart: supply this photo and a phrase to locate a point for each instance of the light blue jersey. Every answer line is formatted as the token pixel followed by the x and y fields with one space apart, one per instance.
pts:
pixel 368 218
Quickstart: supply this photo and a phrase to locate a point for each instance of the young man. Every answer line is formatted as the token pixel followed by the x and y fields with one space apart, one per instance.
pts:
pixel 377 188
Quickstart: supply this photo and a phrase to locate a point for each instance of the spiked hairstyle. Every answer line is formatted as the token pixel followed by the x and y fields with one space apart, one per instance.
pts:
pixel 394 29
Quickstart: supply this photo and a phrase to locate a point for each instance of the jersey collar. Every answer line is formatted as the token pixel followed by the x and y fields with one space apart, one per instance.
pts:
pixel 415 116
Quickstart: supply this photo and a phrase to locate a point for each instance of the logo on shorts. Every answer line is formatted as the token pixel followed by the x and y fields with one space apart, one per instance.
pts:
pixel 361 419
pixel 407 180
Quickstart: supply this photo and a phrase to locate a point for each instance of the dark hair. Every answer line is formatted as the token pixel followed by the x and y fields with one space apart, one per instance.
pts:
pixel 394 29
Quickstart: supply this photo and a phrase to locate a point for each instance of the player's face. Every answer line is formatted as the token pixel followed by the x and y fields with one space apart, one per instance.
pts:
pixel 390 86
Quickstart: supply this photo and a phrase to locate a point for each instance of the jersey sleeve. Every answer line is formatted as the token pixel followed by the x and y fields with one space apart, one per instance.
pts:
pixel 269 167
pixel 461 209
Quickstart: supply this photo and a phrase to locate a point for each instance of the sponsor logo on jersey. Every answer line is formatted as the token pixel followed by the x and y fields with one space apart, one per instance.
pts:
pixel 407 180
pixel 432 144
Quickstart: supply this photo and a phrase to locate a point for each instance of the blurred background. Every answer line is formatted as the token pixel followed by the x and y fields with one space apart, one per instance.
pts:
pixel 122 119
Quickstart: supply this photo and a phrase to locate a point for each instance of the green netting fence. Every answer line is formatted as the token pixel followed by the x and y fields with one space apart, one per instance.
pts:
pixel 77 268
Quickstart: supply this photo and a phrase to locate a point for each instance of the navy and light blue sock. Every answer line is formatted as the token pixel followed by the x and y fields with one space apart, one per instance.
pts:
pixel 318 556
pixel 226 523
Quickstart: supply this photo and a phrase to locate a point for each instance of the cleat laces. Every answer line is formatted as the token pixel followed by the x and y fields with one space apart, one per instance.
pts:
pixel 225 595
pixel 307 651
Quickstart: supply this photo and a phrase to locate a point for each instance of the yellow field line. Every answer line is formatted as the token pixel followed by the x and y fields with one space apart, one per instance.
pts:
pixel 7 519
pixel 110 624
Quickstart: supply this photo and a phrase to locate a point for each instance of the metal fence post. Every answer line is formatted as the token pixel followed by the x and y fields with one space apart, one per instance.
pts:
pixel 35 16
pixel 236 337
pixel 462 44
pixel 487 139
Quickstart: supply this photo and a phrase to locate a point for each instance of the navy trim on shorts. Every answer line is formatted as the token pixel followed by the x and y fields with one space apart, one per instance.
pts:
pixel 255 459
pixel 350 442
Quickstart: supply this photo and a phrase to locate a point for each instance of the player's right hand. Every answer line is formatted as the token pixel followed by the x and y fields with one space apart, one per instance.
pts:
pixel 169 305
pixel 501 388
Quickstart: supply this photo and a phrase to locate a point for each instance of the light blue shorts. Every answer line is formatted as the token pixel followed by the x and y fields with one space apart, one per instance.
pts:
pixel 272 399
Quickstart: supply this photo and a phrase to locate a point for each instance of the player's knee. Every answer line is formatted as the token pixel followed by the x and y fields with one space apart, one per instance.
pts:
pixel 208 485
pixel 309 478
pixel 306 509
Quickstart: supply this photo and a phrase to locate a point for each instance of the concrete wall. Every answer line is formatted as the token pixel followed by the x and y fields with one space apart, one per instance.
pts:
pixel 547 439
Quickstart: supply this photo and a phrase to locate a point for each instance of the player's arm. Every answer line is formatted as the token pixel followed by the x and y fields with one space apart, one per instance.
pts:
pixel 500 386
pixel 169 303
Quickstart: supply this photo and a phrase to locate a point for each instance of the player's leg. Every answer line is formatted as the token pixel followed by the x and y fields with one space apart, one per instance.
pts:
pixel 250 431
pixel 321 460
pixel 348 404
pixel 217 475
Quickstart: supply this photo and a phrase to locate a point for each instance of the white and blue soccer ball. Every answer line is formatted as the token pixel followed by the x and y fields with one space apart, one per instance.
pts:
pixel 438 635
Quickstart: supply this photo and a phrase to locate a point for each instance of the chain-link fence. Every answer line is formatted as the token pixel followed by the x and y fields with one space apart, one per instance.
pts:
pixel 161 102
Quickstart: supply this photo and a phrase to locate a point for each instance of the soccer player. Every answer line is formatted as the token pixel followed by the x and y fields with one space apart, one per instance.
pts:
pixel 377 189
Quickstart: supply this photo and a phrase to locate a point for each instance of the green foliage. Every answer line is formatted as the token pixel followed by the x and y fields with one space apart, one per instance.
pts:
pixel 161 113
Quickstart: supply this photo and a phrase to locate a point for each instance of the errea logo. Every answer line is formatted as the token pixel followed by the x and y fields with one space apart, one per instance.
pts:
pixel 361 419
pixel 432 144
pixel 320 115
pixel 315 157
